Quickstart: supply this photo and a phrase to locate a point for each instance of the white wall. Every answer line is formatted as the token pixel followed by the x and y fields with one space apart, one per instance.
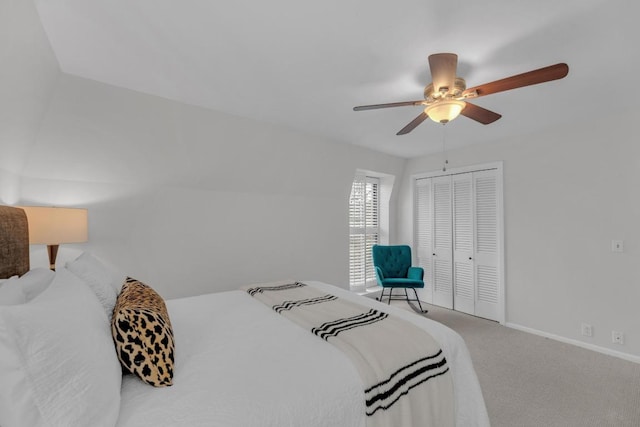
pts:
pixel 188 199
pixel 193 200
pixel 9 187
pixel 28 73
pixel 567 192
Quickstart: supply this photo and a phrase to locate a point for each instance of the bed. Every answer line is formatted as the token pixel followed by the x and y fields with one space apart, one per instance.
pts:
pixel 238 362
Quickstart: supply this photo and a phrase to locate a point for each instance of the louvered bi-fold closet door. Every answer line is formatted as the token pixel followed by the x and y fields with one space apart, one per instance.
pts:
pixel 464 294
pixel 442 249
pixel 424 236
pixel 458 230
pixel 486 260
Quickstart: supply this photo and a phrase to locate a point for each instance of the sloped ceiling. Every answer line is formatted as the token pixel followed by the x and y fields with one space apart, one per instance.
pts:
pixel 306 64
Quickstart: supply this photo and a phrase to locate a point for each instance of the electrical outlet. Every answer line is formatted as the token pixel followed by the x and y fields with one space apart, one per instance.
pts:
pixel 587 330
pixel 617 337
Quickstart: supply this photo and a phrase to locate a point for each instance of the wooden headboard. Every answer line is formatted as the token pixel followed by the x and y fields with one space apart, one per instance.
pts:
pixel 14 242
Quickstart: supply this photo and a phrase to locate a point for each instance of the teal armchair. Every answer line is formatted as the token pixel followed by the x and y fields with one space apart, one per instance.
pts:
pixel 394 270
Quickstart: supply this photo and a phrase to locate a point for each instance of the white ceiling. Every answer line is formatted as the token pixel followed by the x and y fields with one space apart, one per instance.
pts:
pixel 305 64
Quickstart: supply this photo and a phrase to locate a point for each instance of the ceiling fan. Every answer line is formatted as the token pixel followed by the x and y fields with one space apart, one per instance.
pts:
pixel 446 97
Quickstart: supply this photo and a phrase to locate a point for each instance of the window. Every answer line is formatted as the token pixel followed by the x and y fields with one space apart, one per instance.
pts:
pixel 364 230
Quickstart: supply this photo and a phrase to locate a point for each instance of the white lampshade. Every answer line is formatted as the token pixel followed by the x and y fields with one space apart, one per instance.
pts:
pixel 444 111
pixel 53 226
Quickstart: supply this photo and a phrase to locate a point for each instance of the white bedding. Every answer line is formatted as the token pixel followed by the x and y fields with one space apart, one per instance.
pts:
pixel 238 363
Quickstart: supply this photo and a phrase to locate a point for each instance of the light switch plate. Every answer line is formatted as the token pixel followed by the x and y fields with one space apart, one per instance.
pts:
pixel 617 246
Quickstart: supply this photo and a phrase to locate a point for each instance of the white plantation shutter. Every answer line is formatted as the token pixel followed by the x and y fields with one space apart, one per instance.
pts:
pixel 364 229
pixel 357 276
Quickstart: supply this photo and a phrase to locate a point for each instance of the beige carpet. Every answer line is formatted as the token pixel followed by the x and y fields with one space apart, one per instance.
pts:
pixel 531 381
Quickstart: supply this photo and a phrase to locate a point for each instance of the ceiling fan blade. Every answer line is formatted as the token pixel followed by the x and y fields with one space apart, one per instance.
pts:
pixel 413 124
pixel 443 70
pixel 479 114
pixel 541 75
pixel 393 104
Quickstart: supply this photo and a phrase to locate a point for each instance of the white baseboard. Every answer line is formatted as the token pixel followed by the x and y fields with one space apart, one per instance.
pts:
pixel 593 347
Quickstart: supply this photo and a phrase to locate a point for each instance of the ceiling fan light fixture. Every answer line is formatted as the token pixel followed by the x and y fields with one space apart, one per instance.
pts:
pixel 444 111
pixel 444 97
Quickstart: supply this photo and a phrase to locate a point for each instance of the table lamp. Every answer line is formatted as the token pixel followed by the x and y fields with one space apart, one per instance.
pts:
pixel 53 226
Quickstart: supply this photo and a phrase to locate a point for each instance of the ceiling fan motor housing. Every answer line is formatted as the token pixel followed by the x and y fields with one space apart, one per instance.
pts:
pixel 432 95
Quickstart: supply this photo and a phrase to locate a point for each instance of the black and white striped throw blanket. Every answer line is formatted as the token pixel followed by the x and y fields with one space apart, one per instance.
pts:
pixel 406 376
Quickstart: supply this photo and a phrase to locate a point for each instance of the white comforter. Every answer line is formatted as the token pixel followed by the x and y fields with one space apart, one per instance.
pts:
pixel 238 363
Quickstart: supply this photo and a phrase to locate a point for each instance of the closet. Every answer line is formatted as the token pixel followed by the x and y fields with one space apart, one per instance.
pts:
pixel 458 240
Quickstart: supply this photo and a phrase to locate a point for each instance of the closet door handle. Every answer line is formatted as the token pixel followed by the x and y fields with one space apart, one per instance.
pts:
pixel 470 258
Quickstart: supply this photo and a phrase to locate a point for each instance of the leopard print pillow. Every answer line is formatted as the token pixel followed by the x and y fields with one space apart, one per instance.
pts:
pixel 142 334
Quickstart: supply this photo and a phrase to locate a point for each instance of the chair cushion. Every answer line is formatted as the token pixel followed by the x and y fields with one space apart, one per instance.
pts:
pixel 402 283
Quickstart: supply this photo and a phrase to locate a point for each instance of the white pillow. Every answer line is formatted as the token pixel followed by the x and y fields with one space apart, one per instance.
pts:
pixel 99 279
pixel 57 360
pixel 18 290
pixel 10 292
pixel 35 281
